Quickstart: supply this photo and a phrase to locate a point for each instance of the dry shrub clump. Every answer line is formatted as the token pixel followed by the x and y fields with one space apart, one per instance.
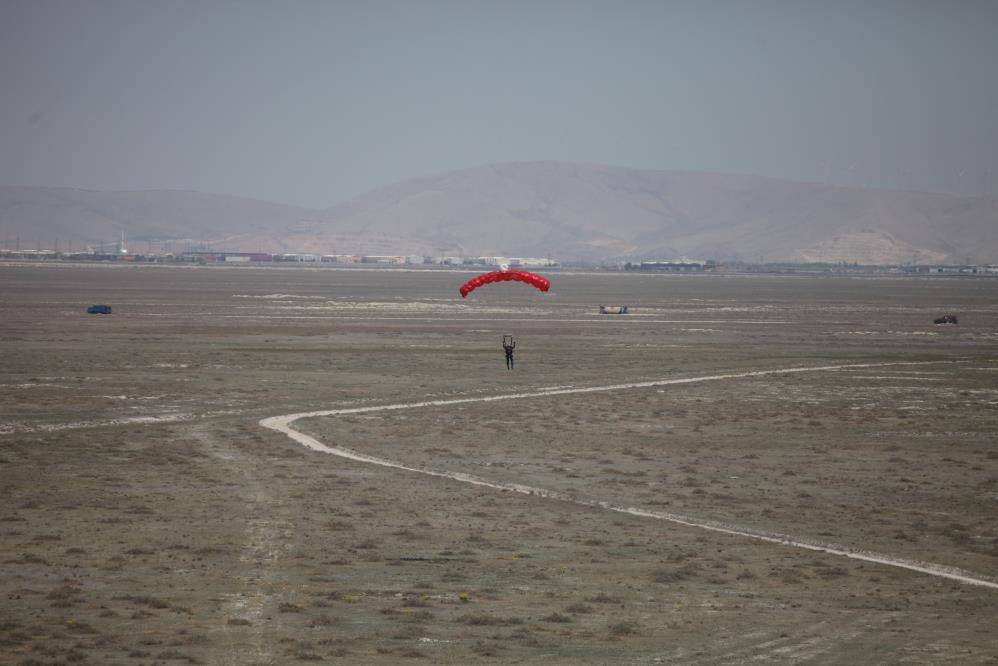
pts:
pixel 484 619
pixel 626 628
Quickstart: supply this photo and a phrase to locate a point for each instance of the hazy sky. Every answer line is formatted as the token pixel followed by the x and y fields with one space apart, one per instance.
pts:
pixel 314 102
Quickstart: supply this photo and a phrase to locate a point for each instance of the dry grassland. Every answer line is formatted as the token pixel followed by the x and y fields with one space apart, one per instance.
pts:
pixel 146 517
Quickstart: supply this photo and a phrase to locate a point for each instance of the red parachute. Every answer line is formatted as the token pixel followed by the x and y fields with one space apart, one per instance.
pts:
pixel 504 276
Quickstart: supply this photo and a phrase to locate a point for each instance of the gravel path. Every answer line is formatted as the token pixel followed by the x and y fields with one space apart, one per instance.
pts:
pixel 284 422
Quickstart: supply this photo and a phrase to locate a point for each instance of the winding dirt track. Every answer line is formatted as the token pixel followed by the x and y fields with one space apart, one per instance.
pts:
pixel 283 424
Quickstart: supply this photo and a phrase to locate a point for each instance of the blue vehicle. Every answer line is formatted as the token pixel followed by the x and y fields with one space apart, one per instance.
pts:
pixel 99 309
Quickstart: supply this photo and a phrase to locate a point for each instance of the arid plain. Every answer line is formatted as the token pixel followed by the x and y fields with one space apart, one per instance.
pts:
pixel 147 517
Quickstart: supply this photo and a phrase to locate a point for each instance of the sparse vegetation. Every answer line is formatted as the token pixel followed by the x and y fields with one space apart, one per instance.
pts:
pixel 619 629
pixel 171 542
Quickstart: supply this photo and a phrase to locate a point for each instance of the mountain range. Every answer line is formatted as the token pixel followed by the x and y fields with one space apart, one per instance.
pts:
pixel 535 209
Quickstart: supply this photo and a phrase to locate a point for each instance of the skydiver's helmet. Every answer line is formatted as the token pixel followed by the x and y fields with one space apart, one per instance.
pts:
pixel 504 267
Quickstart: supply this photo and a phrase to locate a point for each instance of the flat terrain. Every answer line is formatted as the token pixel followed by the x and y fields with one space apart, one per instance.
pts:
pixel 147 517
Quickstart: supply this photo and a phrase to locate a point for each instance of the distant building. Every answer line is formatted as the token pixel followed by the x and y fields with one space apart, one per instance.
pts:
pixel 534 262
pixel 683 265
pixel 494 261
pixel 444 261
pixel 203 257
pixel 383 259
pixel 29 254
pixel 516 262
pixel 951 269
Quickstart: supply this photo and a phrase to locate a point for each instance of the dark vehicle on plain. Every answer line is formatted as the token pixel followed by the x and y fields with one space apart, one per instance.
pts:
pixel 613 309
pixel 99 309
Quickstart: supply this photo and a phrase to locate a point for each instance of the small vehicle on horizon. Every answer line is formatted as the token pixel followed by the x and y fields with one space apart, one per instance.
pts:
pixel 99 309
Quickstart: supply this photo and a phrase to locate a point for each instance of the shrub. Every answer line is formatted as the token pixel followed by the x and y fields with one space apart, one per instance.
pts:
pixel 623 629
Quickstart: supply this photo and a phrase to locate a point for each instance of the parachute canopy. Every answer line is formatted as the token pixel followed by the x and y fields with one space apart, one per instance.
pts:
pixel 504 276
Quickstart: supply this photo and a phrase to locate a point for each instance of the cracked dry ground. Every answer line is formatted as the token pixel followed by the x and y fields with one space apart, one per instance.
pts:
pixel 206 539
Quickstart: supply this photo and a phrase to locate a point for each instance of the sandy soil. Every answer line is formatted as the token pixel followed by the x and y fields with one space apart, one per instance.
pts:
pixel 147 516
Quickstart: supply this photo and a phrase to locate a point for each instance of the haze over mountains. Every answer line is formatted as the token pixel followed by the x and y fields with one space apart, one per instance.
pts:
pixel 562 210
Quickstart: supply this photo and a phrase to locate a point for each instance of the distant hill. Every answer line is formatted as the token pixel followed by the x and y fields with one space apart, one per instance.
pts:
pixel 566 211
pixel 596 212
pixel 86 217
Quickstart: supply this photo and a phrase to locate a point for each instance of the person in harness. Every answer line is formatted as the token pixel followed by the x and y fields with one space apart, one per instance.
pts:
pixel 508 345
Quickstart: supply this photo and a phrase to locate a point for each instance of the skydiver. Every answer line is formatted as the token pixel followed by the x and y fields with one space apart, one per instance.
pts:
pixel 508 347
